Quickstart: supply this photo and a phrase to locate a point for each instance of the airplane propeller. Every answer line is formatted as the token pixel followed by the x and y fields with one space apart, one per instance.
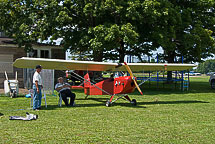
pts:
pixel 132 76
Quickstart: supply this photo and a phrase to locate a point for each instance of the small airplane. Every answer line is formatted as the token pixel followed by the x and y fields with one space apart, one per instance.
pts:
pixel 120 86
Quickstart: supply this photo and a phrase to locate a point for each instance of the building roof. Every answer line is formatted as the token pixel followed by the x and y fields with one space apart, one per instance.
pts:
pixel 4 41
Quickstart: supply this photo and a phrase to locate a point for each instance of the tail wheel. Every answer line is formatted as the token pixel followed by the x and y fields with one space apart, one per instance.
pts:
pixel 213 84
pixel 108 103
pixel 134 102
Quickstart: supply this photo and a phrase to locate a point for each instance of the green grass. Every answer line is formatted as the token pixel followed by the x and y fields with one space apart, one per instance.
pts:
pixel 163 115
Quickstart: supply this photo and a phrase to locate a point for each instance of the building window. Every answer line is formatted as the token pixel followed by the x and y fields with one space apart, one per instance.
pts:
pixel 33 53
pixel 37 53
pixel 44 54
pixel 2 34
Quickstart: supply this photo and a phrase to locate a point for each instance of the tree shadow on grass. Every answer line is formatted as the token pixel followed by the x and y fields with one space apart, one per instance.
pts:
pixel 19 96
pixel 53 107
pixel 95 99
pixel 171 102
pixel 102 102
pixel 50 107
pixel 139 104
pixel 195 87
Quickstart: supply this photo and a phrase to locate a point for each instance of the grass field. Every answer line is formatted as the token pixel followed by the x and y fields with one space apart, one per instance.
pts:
pixel 163 115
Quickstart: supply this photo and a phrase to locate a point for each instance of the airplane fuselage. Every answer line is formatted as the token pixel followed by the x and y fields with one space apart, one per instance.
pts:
pixel 111 86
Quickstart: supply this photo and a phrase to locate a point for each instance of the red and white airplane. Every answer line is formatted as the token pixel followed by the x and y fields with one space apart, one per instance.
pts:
pixel 120 86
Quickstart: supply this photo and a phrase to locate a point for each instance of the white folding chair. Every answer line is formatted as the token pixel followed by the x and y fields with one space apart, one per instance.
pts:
pixel 60 100
pixel 31 92
pixel 44 97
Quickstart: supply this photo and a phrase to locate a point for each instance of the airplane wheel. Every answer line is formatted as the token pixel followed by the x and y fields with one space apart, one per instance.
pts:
pixel 86 97
pixel 108 103
pixel 134 102
pixel 213 84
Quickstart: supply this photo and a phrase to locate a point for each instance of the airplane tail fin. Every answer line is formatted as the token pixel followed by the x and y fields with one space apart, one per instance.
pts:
pixel 87 80
pixel 87 84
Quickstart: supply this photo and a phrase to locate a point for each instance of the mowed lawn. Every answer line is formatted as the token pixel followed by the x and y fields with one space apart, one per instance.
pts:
pixel 163 115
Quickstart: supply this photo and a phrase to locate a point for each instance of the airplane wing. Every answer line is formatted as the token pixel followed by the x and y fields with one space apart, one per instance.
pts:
pixel 58 64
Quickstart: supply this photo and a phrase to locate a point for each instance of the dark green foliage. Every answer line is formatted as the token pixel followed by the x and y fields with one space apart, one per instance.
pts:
pixel 110 29
pixel 207 66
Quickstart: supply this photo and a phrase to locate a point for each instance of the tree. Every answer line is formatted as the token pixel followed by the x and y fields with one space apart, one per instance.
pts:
pixel 182 28
pixel 29 21
pixel 207 66
pixel 101 29
pixel 110 29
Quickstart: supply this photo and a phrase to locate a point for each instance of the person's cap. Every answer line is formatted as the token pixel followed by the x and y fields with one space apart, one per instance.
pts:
pixel 60 78
pixel 38 66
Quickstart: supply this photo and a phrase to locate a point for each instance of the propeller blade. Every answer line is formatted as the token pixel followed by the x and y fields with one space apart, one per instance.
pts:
pixel 132 76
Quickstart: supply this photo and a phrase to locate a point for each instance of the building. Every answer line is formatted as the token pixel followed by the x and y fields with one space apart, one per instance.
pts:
pixel 9 52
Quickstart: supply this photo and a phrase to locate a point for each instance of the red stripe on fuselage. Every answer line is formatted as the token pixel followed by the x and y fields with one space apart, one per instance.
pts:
pixel 120 85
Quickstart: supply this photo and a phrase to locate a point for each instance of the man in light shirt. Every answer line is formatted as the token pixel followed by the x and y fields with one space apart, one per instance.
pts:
pixel 64 90
pixel 37 86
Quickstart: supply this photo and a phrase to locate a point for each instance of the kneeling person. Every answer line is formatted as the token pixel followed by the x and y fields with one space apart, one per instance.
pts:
pixel 64 90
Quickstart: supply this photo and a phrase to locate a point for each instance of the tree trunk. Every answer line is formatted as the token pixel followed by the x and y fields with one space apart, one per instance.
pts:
pixel 98 55
pixel 169 76
pixel 121 52
pixel 170 59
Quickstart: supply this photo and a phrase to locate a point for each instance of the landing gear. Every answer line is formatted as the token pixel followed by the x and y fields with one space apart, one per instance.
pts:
pixel 124 97
pixel 213 84
pixel 134 102
pixel 108 103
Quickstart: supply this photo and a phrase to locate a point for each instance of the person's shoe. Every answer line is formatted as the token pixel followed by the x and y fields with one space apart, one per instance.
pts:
pixel 36 109
pixel 72 105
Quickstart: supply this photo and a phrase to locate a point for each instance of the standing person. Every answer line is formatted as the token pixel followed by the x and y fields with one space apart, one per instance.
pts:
pixel 64 91
pixel 37 86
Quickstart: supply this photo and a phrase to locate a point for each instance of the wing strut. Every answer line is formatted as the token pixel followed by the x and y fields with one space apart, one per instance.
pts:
pixel 91 83
pixel 132 76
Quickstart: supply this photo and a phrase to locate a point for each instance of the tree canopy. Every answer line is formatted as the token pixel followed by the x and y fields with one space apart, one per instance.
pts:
pixel 111 29
pixel 206 67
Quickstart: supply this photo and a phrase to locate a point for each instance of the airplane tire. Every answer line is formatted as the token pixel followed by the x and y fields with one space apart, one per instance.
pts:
pixel 108 103
pixel 213 84
pixel 134 102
